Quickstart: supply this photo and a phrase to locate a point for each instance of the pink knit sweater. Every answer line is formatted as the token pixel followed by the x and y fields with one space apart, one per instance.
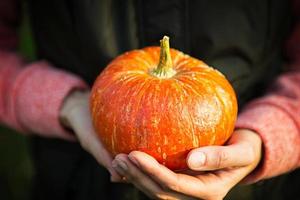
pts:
pixel 31 98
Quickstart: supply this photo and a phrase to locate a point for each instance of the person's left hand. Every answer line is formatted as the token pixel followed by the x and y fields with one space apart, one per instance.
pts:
pixel 214 169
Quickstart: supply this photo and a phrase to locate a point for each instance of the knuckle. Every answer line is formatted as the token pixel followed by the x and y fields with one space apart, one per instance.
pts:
pixel 221 159
pixel 171 185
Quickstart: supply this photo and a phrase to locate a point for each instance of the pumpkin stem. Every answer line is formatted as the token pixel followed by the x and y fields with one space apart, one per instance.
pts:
pixel 165 66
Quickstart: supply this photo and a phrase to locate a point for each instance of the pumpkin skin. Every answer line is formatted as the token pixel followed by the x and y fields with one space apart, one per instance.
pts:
pixel 165 117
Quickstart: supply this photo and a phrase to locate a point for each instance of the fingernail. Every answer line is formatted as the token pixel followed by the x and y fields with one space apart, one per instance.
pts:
pixel 120 166
pixel 197 159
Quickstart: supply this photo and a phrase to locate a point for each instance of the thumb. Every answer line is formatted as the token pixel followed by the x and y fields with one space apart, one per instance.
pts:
pixel 219 157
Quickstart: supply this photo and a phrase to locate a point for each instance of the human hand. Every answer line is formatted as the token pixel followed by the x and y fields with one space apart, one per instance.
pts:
pixel 75 114
pixel 214 170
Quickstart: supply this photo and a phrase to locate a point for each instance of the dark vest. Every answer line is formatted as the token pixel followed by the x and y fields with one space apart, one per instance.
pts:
pixel 243 39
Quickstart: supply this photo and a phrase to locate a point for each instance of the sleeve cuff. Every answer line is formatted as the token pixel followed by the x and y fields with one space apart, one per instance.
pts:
pixel 38 94
pixel 279 133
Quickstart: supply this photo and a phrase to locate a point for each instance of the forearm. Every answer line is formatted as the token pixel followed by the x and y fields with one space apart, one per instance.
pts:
pixel 31 95
pixel 276 116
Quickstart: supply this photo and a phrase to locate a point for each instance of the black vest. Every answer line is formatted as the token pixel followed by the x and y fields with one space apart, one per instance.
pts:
pixel 241 38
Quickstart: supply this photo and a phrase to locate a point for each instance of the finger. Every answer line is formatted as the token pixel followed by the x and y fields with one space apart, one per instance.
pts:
pixel 223 180
pixel 118 180
pixel 142 181
pixel 125 168
pixel 240 152
pixel 167 179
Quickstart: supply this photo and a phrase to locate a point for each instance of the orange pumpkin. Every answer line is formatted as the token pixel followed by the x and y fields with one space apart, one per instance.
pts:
pixel 162 102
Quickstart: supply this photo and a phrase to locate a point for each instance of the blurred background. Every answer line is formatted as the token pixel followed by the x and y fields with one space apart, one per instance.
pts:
pixel 16 169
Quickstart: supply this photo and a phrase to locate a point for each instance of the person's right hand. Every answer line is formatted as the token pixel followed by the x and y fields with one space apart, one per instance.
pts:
pixel 213 170
pixel 75 114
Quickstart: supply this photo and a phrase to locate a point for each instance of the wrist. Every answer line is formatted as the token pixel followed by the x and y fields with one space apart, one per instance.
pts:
pixel 72 102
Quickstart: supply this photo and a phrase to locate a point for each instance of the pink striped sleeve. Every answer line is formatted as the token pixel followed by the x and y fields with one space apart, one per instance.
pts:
pixel 31 95
pixel 276 116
